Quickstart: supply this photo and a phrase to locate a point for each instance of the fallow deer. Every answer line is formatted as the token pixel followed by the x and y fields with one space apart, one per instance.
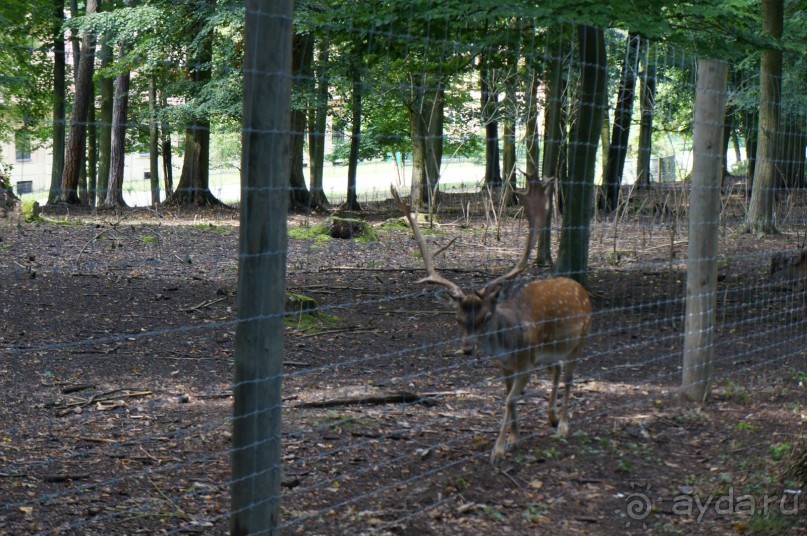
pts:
pixel 542 323
pixel 789 268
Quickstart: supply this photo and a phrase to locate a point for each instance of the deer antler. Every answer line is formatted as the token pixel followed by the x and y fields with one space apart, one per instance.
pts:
pixel 428 259
pixel 536 205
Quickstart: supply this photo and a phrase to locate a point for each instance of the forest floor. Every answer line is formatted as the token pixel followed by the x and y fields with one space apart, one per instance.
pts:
pixel 116 358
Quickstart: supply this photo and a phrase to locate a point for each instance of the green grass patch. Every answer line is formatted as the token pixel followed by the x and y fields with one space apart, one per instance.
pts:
pixel 313 322
pixel 218 229
pixel 316 233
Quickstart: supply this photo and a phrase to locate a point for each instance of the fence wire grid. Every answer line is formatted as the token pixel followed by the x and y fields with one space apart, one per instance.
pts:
pixel 121 331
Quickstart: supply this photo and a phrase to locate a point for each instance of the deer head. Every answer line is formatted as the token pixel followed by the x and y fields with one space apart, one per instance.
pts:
pixel 476 309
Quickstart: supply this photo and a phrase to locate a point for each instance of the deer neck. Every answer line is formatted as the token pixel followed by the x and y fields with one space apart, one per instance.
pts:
pixel 503 332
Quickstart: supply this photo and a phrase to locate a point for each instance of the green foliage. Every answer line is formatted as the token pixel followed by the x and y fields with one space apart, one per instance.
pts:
pixel 30 211
pixel 778 450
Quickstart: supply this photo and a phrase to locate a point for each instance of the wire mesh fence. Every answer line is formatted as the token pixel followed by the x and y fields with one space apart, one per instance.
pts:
pixel 121 330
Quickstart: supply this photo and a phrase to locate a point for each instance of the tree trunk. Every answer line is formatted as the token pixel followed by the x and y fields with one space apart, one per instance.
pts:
pixel 107 94
pixel 75 43
pixel 509 133
pixel 76 144
pixel 647 99
pixel 194 182
pixel 59 98
pixel 355 138
pixel 165 147
pixel 760 210
pixel 620 135
pixel 532 137
pixel 117 153
pixel 751 142
pixel 82 177
pixel 426 114
pixel 728 127
pixel 574 238
pixel 302 56
pixel 544 245
pixel 793 142
pixel 92 157
pixel 418 135
pixel 154 143
pixel 317 122
pixel 554 117
pixel 490 109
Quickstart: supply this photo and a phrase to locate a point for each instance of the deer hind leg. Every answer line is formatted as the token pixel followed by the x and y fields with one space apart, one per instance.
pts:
pixel 568 373
pixel 508 433
pixel 551 409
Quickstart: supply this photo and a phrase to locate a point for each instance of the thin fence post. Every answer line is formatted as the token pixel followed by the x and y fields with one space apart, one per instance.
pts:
pixel 256 469
pixel 704 219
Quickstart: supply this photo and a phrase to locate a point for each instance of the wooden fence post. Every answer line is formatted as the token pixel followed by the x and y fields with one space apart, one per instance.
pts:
pixel 265 167
pixel 704 219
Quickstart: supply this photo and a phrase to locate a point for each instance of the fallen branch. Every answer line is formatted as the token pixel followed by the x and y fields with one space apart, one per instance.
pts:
pixel 114 394
pixel 65 477
pixel 347 329
pixel 206 303
pixel 398 397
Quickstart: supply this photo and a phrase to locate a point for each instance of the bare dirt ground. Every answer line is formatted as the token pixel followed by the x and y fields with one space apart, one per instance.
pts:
pixel 117 339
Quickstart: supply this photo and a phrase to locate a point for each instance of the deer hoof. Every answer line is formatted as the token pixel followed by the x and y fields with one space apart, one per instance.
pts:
pixel 563 429
pixel 497 454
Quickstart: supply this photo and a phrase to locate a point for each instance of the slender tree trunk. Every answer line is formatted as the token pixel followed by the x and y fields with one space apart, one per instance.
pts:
pixel 165 148
pixel 82 177
pixel 490 109
pixel 728 127
pixel 154 143
pixel 761 207
pixel 77 139
pixel 647 98
pixel 554 165
pixel 117 153
pixel 59 97
pixel 533 145
pixel 317 122
pixel 302 56
pixel 509 133
pixel 618 149
pixel 605 144
pixel 574 238
pixel 92 157
pixel 107 95
pixel 735 141
pixel 355 139
pixel 418 135
pixel 531 135
pixel 751 142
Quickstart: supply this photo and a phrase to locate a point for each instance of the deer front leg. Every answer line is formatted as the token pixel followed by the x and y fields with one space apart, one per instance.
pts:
pixel 508 433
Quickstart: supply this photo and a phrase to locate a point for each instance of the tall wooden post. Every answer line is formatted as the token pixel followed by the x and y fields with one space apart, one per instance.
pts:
pixel 256 469
pixel 704 219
